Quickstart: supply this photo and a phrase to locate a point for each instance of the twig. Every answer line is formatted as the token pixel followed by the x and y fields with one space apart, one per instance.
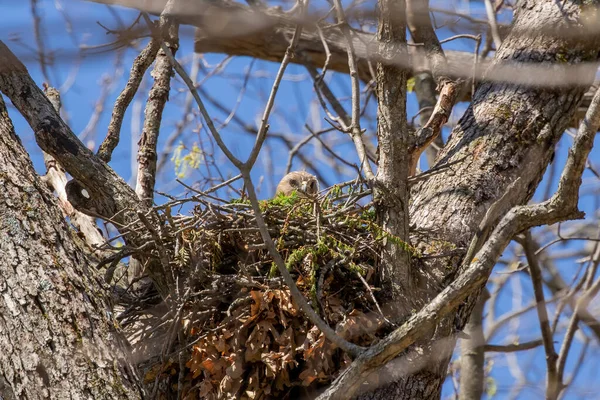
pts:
pixel 553 384
pixel 422 31
pixel 511 348
pixel 181 72
pixel 491 14
pixel 580 308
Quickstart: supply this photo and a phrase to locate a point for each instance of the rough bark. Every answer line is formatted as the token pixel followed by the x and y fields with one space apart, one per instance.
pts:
pixel 392 139
pixel 494 159
pixel 56 338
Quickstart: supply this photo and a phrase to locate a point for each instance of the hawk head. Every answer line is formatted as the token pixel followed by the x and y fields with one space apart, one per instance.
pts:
pixel 301 181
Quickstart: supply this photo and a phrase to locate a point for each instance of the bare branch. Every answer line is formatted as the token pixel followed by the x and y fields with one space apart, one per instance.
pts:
pixel 553 384
pixel 262 131
pixel 141 63
pixel 491 14
pixel 157 98
pixel 510 348
pixel 211 126
pixel 355 130
pixel 422 32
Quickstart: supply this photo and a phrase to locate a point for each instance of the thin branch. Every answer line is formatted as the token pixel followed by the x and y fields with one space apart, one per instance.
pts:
pixel 157 99
pixel 355 130
pixel 491 14
pixel 141 63
pixel 422 32
pixel 186 79
pixel 511 348
pixel 264 126
pixel 591 289
pixel 472 354
pixel 553 384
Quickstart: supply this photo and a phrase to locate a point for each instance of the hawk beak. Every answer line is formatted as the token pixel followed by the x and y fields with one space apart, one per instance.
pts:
pixel 304 186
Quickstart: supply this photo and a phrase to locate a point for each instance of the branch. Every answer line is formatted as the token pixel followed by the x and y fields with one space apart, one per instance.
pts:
pixel 343 118
pixel 591 290
pixel 555 283
pixel 491 14
pixel 472 354
pixel 102 192
pixel 511 348
pixel 141 63
pixel 157 98
pixel 553 384
pixel 289 55
pixel 422 32
pixel 391 192
pixel 355 131
pixel 95 189
pixel 188 82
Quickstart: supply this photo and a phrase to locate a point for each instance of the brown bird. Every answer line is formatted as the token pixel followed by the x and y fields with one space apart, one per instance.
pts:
pixel 301 181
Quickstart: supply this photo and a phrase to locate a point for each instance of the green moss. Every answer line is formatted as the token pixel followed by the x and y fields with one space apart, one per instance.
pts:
pixel 239 201
pixel 369 215
pixel 561 57
pixel 439 246
pixel 283 200
pixel 503 111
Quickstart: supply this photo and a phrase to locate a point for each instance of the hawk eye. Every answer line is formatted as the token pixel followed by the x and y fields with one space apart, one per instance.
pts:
pixel 293 182
pixel 312 184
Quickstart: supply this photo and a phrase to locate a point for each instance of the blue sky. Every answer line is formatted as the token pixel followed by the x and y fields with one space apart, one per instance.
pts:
pixel 83 81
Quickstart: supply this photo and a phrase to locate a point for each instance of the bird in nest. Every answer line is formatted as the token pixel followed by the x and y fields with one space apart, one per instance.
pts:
pixel 300 181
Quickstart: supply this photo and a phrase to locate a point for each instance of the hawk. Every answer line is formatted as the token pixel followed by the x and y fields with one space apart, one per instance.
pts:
pixel 303 182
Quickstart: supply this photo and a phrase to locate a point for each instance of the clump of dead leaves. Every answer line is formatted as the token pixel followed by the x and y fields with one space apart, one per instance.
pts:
pixel 267 349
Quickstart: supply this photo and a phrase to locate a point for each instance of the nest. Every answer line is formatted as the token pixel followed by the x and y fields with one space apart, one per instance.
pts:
pixel 237 331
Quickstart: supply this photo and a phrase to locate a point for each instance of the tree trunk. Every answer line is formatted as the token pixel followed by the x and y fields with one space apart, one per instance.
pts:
pixel 508 131
pixel 56 339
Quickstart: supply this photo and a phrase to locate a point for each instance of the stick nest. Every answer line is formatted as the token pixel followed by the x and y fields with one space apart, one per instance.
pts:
pixel 241 334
